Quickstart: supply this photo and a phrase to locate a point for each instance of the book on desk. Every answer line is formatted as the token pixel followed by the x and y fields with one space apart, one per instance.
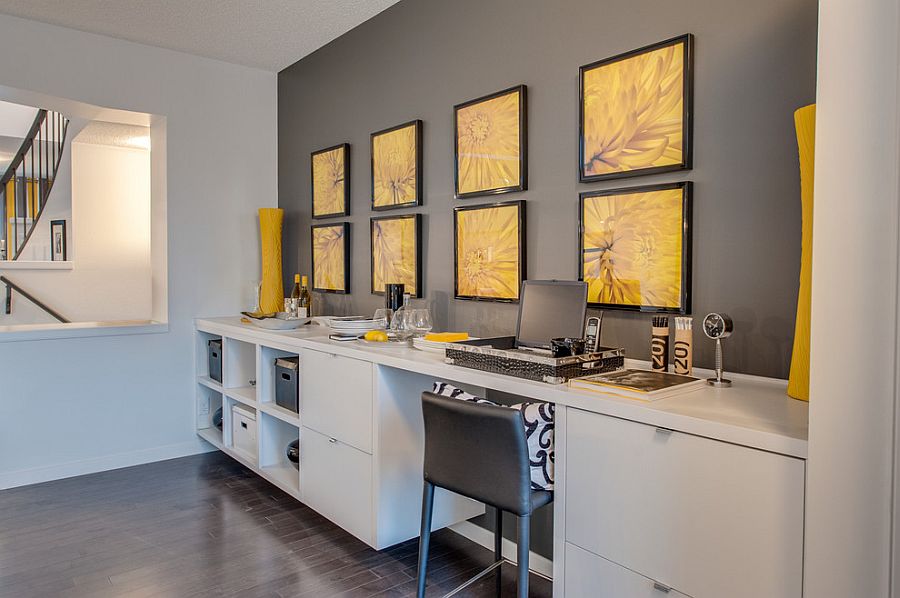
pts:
pixel 644 385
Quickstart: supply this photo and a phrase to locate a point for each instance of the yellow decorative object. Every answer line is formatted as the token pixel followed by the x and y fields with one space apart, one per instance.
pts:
pixel 798 380
pixel 489 261
pixel 271 292
pixel 395 166
pixel 633 247
pixel 633 111
pixel 489 152
pixel 395 253
pixel 447 337
pixel 330 257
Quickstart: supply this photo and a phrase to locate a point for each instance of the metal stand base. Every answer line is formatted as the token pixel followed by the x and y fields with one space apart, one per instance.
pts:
pixel 723 383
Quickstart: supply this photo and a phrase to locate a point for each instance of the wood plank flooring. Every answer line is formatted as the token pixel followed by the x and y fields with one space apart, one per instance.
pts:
pixel 206 526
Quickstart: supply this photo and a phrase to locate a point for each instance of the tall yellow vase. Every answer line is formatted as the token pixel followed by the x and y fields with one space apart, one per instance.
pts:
pixel 271 292
pixel 798 380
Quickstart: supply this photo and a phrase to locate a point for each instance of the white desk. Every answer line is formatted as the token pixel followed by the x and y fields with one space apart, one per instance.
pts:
pixel 682 473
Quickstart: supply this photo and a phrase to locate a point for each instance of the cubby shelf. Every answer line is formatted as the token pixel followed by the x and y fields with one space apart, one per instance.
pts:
pixel 285 415
pixel 209 383
pixel 245 395
pixel 248 374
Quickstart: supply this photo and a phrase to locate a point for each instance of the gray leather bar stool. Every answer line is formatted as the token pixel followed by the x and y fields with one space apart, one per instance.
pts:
pixel 479 451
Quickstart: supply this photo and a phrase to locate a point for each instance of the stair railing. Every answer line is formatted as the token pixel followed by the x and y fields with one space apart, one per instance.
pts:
pixel 32 173
pixel 11 286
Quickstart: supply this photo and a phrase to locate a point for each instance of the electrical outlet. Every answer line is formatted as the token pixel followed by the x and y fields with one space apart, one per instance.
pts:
pixel 203 406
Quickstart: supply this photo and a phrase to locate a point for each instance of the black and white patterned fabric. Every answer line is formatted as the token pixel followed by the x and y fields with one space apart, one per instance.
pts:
pixel 538 421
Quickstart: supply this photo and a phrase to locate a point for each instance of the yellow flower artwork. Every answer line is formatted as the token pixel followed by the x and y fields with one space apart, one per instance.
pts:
pixel 489 261
pixel 489 153
pixel 395 166
pixel 329 257
pixel 395 255
pixel 633 112
pixel 633 247
pixel 329 181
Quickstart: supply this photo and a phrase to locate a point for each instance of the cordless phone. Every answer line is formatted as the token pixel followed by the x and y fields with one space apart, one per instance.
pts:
pixel 592 334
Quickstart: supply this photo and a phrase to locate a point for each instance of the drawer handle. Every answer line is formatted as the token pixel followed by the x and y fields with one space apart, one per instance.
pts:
pixel 659 587
pixel 663 431
pixel 332 440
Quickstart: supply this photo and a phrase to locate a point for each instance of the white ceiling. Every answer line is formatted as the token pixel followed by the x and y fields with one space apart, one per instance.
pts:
pixel 266 34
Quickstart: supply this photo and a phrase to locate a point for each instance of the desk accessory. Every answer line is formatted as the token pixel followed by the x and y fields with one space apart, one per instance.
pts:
pixel 566 346
pixel 659 344
pixel 682 349
pixel 718 326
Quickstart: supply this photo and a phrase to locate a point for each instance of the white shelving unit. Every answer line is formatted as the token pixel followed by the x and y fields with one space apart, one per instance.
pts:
pixel 248 379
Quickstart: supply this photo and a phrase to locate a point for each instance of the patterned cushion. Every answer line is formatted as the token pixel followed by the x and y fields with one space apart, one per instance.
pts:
pixel 538 421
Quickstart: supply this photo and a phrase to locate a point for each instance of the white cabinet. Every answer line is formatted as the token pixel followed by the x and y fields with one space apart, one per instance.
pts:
pixel 591 576
pixel 336 397
pixel 336 481
pixel 707 518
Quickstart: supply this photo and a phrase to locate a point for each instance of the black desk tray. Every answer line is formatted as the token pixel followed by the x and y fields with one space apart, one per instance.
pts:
pixel 499 356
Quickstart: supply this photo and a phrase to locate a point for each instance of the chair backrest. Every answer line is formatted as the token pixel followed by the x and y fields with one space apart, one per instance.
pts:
pixel 477 450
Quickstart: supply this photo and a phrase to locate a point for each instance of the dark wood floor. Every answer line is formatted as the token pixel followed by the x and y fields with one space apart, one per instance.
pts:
pixel 206 526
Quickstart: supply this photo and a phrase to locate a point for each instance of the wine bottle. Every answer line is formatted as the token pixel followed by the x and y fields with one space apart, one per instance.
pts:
pixel 305 307
pixel 295 297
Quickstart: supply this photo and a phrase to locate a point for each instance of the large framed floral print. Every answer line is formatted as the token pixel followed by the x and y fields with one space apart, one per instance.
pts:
pixel 396 255
pixel 331 257
pixel 635 248
pixel 330 174
pixel 491 144
pixel 397 166
pixel 489 251
pixel 635 114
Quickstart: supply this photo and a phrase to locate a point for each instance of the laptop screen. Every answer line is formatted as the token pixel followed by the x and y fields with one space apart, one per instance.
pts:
pixel 550 309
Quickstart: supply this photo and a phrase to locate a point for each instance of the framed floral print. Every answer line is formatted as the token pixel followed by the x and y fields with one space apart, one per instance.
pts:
pixel 635 248
pixel 396 255
pixel 491 144
pixel 330 174
pixel 489 251
pixel 636 109
pixel 397 166
pixel 331 257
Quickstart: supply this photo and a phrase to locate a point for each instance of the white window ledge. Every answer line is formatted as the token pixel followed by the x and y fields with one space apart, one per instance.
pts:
pixel 38 332
pixel 22 265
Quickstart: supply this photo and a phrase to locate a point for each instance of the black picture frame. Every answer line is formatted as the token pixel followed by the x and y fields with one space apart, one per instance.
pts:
pixel 55 254
pixel 417 123
pixel 686 244
pixel 522 90
pixel 418 251
pixel 312 242
pixel 345 147
pixel 687 155
pixel 523 270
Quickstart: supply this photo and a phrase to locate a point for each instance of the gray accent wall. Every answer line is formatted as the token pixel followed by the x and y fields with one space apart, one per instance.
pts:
pixel 754 65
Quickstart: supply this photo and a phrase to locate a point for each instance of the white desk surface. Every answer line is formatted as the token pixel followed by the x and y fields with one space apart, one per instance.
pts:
pixel 754 412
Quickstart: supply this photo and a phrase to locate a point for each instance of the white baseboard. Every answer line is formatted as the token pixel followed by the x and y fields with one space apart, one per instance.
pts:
pixel 536 563
pixel 70 469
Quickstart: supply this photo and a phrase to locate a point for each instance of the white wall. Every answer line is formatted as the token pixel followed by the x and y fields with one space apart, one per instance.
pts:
pixel 77 405
pixel 854 353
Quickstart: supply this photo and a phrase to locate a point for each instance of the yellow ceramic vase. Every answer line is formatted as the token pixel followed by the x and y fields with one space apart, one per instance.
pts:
pixel 271 292
pixel 798 380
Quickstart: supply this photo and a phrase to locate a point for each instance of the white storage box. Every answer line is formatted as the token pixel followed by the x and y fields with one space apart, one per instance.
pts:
pixel 243 432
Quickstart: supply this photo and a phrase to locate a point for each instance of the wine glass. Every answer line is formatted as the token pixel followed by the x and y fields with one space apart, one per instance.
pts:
pixel 422 322
pixel 382 317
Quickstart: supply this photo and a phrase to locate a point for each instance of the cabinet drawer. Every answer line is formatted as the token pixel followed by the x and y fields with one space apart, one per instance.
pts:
pixel 336 397
pixel 590 576
pixel 336 481
pixel 709 518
